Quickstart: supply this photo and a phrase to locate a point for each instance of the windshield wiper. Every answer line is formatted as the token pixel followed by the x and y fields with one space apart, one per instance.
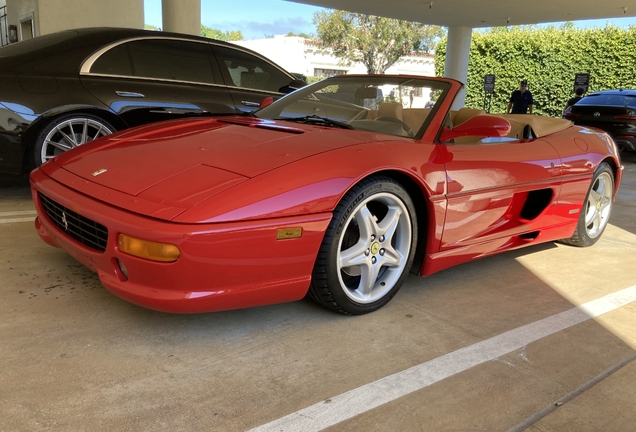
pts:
pixel 314 119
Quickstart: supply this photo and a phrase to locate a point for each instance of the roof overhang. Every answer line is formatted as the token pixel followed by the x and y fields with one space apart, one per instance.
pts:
pixel 484 13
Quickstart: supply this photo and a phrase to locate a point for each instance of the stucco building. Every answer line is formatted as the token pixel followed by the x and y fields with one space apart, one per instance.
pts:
pixel 297 54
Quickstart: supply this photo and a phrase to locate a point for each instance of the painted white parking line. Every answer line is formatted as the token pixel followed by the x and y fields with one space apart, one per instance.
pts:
pixel 18 213
pixel 362 399
pixel 15 220
pixel 5 219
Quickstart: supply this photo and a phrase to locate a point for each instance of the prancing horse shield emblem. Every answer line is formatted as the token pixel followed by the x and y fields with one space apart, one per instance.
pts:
pixel 64 221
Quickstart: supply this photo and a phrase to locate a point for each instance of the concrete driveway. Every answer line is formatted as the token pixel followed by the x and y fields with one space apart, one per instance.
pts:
pixel 541 339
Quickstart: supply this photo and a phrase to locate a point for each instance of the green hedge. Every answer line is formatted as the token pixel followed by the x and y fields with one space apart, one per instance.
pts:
pixel 548 58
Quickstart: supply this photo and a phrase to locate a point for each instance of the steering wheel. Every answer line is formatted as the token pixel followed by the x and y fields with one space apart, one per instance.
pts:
pixel 406 127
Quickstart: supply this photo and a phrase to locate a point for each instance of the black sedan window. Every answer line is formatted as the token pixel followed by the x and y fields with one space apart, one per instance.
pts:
pixel 172 60
pixel 615 100
pixel 250 72
pixel 115 61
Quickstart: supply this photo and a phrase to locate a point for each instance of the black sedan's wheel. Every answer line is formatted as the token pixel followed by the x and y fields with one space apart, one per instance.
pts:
pixel 596 208
pixel 368 248
pixel 66 133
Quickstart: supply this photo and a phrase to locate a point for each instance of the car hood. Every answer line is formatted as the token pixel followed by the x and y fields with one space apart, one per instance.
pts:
pixel 181 163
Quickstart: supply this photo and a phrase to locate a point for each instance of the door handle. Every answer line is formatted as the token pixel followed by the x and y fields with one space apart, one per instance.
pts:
pixel 129 94
pixel 251 104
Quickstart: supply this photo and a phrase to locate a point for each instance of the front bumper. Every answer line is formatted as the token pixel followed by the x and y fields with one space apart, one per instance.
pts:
pixel 222 266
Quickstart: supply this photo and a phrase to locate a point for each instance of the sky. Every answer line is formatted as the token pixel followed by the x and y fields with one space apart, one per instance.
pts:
pixel 257 19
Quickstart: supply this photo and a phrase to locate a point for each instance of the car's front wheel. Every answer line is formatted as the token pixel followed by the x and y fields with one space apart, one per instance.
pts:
pixel 368 248
pixel 596 209
pixel 67 132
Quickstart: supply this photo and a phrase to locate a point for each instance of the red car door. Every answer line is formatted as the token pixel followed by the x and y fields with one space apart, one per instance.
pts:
pixel 498 189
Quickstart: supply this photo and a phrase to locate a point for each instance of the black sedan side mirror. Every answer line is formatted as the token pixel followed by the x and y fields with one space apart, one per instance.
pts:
pixel 265 102
pixel 292 86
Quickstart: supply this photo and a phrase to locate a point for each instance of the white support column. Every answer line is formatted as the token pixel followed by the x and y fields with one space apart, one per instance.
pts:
pixel 181 16
pixel 457 54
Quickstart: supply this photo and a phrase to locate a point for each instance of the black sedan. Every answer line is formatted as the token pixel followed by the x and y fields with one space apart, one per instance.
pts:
pixel 62 90
pixel 613 111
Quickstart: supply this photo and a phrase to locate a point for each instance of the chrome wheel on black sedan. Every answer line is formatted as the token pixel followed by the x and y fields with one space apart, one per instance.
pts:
pixel 368 248
pixel 67 133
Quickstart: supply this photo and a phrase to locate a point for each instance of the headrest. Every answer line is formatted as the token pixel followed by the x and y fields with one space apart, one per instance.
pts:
pixel 464 114
pixel 390 109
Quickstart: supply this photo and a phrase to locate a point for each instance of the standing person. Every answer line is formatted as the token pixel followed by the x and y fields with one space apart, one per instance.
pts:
pixel 521 100
pixel 411 97
pixel 575 99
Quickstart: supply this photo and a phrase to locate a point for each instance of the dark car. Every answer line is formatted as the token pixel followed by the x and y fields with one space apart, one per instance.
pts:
pixel 613 111
pixel 62 90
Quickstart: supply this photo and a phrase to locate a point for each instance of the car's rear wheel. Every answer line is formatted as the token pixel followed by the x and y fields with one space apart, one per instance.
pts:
pixel 596 208
pixel 368 248
pixel 67 132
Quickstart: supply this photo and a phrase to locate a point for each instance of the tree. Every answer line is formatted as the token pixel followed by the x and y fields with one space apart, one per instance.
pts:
pixel 208 32
pixel 302 35
pixel 376 42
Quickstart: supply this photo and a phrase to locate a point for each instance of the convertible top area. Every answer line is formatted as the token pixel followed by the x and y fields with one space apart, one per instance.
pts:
pixel 524 126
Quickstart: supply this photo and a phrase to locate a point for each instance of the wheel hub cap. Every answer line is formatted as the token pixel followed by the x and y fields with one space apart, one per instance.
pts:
pixel 375 248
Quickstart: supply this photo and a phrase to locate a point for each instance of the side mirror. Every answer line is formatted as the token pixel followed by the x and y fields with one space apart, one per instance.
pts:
pixel 482 125
pixel 292 86
pixel 265 102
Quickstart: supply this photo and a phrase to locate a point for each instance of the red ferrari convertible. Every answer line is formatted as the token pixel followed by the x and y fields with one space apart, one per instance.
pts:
pixel 333 191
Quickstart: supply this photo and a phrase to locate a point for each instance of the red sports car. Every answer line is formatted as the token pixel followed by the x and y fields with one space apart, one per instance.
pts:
pixel 333 191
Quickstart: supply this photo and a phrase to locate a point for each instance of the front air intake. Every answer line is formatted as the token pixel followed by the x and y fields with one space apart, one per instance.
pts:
pixel 80 228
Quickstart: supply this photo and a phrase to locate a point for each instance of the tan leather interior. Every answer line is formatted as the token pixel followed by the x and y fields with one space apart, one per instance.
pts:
pixel 390 109
pixel 415 117
pixel 523 126
pixel 526 126
pixel 460 116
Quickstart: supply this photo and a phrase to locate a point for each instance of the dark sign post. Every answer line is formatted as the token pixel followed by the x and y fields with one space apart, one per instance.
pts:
pixel 581 80
pixel 489 88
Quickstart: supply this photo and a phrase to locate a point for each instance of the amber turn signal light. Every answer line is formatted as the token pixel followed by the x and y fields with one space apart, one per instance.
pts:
pixel 162 252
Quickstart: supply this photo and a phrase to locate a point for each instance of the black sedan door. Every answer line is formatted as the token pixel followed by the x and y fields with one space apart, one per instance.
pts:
pixel 149 80
pixel 250 78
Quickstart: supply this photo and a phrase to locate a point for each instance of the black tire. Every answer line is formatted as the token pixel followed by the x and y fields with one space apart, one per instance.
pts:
pixel 375 223
pixel 65 133
pixel 596 210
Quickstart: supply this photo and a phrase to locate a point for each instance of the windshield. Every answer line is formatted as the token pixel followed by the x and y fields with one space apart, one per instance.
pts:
pixel 393 105
pixel 616 100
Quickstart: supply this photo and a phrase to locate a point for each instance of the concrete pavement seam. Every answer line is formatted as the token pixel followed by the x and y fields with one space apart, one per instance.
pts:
pixel 574 393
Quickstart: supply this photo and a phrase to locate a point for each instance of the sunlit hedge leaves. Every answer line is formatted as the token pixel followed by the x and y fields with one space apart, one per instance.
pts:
pixel 548 58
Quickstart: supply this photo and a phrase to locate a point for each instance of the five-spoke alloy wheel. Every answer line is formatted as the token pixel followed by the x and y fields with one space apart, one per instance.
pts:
pixel 596 208
pixel 368 248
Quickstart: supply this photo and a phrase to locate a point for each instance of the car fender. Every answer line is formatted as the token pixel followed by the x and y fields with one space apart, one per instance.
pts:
pixel 582 149
pixel 53 113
